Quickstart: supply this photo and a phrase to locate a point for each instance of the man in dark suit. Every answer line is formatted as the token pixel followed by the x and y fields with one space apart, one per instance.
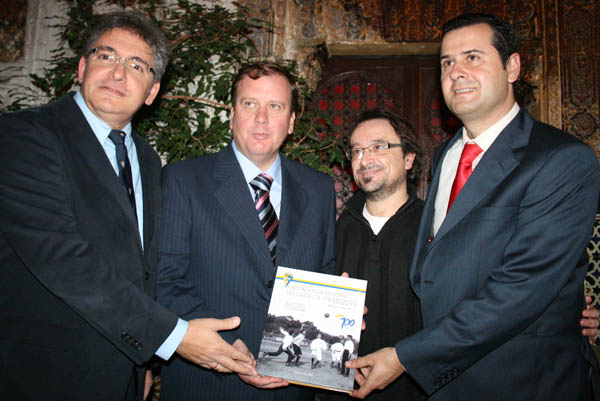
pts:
pixel 500 260
pixel 217 254
pixel 80 210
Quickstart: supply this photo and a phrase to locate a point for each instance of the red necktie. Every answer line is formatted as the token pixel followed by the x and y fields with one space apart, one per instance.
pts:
pixel 465 167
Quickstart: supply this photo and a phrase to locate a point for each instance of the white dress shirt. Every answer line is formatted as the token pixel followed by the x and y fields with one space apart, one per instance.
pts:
pixel 452 158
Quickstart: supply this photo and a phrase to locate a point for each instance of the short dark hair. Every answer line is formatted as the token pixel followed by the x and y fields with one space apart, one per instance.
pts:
pixel 137 24
pixel 504 38
pixel 403 129
pixel 262 69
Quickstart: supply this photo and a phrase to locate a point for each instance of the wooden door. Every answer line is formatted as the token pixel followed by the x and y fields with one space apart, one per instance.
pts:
pixel 406 85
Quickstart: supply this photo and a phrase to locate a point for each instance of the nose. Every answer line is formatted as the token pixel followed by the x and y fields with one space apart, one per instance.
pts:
pixel 118 71
pixel 367 157
pixel 261 116
pixel 457 71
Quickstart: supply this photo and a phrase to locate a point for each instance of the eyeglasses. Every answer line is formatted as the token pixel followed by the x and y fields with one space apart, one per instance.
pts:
pixel 375 149
pixel 108 57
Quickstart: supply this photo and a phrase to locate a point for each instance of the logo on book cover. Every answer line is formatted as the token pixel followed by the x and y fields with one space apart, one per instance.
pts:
pixel 288 278
pixel 346 322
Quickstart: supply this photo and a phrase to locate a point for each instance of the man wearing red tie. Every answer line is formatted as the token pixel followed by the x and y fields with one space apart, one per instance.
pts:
pixel 500 256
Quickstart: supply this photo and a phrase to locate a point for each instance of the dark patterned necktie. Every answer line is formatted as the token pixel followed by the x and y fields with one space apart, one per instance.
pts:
pixel 118 138
pixel 266 213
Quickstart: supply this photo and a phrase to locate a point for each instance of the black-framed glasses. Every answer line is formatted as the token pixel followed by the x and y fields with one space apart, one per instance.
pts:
pixel 374 148
pixel 108 57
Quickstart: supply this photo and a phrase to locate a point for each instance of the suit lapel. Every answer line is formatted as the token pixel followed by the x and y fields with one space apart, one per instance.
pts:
pixel 293 203
pixel 498 162
pixel 235 199
pixel 148 191
pixel 427 217
pixel 80 137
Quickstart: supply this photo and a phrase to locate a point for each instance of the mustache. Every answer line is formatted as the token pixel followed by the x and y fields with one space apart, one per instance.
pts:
pixel 370 166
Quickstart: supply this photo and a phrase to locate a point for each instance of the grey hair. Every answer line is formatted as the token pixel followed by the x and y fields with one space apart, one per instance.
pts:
pixel 140 25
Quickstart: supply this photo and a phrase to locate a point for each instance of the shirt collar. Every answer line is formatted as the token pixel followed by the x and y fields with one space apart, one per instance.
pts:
pixel 487 137
pixel 99 127
pixel 250 170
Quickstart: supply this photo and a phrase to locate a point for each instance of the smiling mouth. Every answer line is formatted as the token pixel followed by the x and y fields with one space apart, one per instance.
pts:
pixel 368 173
pixel 466 90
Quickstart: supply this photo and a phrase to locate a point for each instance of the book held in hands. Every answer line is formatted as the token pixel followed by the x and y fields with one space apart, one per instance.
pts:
pixel 312 328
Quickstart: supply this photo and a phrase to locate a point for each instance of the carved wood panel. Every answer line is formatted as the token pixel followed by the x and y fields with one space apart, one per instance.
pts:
pixel 408 86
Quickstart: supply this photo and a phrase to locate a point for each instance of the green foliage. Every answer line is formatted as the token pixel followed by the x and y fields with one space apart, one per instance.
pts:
pixel 189 117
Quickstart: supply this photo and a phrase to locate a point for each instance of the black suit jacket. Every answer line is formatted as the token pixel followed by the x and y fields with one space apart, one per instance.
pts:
pixel 76 294
pixel 501 283
pixel 214 260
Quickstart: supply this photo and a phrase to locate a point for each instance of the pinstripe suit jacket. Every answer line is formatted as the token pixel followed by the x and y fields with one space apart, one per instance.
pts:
pixel 76 292
pixel 500 284
pixel 214 260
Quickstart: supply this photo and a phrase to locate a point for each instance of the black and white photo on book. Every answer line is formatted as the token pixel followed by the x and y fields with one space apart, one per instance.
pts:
pixel 312 328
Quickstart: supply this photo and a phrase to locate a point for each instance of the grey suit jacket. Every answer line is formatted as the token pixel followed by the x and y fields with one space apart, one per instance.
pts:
pixel 76 294
pixel 214 260
pixel 501 283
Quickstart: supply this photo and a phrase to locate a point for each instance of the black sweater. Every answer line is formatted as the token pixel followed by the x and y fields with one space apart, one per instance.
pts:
pixel 383 260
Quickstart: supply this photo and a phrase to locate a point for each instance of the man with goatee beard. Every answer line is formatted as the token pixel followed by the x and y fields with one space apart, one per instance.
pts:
pixel 375 235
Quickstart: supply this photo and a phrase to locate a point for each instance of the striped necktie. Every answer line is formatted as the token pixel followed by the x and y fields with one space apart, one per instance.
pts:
pixel 118 138
pixel 266 213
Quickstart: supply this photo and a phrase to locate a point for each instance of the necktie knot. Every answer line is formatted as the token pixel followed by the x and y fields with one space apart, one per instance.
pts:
pixel 470 153
pixel 118 137
pixel 262 182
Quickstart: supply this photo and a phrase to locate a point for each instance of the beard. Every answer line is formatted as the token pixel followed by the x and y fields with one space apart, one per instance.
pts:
pixel 381 190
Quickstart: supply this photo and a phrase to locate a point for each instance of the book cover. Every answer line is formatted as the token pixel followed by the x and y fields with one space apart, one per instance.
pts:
pixel 312 327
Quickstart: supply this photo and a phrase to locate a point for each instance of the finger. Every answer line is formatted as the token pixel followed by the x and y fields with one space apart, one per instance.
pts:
pixel 589 323
pixel 365 371
pixel 591 312
pixel 361 393
pixel 272 382
pixel 360 378
pixel 235 354
pixel 235 366
pixel 223 324
pixel 222 369
pixel 588 300
pixel 344 274
pixel 357 363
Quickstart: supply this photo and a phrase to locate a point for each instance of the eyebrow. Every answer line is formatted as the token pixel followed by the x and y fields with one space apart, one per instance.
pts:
pixel 135 58
pixel 463 53
pixel 373 142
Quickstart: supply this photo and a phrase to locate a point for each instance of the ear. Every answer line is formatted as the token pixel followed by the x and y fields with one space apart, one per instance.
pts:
pixel 409 159
pixel 291 126
pixel 152 93
pixel 81 69
pixel 513 66
pixel 232 109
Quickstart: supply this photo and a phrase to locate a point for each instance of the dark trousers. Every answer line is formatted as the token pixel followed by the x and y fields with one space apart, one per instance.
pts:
pixel 345 357
pixel 280 351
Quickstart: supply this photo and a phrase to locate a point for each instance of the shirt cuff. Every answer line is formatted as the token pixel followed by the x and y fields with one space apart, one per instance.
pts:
pixel 169 346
